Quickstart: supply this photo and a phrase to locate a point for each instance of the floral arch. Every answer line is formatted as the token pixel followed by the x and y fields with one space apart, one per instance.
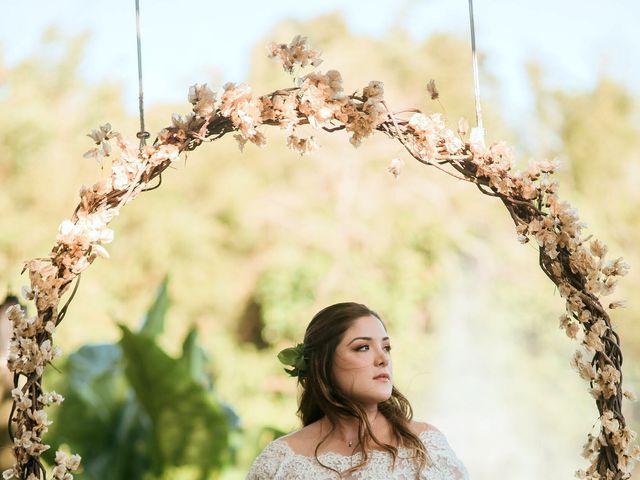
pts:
pixel 576 265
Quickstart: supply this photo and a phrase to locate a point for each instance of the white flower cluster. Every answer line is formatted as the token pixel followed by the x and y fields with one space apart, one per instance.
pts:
pixel 303 146
pixel 362 120
pixel 429 137
pixel 395 167
pixel 203 100
pixel 281 109
pixel 64 465
pixel 622 440
pixel 101 137
pixel 83 239
pixel 28 357
pixel 237 103
pixel 320 97
pixel 297 53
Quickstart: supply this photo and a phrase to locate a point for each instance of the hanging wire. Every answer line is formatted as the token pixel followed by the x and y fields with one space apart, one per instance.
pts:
pixel 142 134
pixel 475 68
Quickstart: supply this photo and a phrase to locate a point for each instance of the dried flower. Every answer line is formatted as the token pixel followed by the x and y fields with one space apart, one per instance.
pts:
pixel 585 369
pixel 463 127
pixel 51 398
pixel 609 423
pixel 618 304
pixel 10 473
pixel 203 100
pixel 297 53
pixel 477 140
pixel 395 167
pixel 433 91
pixel 303 146
pixel 375 90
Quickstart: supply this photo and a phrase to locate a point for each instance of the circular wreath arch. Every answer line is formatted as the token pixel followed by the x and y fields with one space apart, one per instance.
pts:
pixel 580 271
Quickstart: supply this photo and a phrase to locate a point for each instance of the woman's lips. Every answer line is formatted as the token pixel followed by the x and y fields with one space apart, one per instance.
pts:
pixel 382 377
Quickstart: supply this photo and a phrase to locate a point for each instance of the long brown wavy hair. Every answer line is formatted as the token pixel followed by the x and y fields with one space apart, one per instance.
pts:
pixel 321 396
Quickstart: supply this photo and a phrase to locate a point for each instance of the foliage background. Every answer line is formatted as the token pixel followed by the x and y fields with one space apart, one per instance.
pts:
pixel 257 242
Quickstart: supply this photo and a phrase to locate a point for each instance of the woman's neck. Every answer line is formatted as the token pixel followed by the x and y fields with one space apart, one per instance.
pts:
pixel 346 428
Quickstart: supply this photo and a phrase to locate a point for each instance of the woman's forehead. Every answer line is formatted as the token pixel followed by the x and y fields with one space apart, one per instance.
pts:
pixel 368 326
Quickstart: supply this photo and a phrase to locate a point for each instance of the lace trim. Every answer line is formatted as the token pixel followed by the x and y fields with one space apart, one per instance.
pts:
pixel 278 461
pixel 339 458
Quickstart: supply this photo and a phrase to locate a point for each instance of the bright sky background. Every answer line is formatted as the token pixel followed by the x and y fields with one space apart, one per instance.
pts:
pixel 185 41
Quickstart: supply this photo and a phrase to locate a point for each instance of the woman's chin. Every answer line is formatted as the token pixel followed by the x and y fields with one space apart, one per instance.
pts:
pixel 379 397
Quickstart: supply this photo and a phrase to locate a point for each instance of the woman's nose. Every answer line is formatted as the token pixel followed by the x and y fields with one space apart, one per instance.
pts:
pixel 382 358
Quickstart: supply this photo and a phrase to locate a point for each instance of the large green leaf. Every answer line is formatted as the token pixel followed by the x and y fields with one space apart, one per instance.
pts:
pixel 189 426
pixel 132 411
pixel 195 358
pixel 98 419
pixel 153 322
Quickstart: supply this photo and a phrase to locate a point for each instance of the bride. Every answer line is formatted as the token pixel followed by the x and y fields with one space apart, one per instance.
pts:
pixel 356 424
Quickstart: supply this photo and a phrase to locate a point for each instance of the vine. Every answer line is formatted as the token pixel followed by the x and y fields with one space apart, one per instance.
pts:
pixel 576 265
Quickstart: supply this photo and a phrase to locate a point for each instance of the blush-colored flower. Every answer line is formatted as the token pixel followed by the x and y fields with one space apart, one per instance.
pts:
pixel 22 400
pixel 476 139
pixel 433 91
pixel 618 304
pixel 297 53
pixel 10 473
pixel 303 146
pixel 609 423
pixel 585 369
pixel 51 398
pixel 374 90
pixel 100 251
pixel 73 462
pixel 395 167
pixel 463 127
pixel 203 100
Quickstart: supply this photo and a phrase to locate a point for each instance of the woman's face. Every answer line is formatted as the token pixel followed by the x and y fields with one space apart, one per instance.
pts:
pixel 362 363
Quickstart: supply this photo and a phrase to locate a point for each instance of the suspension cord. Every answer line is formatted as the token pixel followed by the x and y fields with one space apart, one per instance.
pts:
pixel 142 134
pixel 475 68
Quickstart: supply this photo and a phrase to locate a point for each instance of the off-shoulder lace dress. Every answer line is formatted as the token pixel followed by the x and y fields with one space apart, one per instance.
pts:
pixel 279 462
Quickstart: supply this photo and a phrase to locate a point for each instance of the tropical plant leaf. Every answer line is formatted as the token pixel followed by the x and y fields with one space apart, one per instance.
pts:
pixel 195 358
pixel 153 321
pixel 132 411
pixel 97 419
pixel 189 426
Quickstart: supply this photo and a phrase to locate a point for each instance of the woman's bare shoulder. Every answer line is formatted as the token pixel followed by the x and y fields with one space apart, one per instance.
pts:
pixel 420 427
pixel 303 441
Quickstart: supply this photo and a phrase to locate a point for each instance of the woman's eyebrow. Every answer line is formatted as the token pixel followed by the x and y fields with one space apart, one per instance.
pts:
pixel 366 338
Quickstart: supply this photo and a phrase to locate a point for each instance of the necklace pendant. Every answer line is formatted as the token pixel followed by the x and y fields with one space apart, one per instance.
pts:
pixel 349 443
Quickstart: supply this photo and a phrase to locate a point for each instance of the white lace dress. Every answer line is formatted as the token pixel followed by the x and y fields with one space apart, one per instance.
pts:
pixel 278 462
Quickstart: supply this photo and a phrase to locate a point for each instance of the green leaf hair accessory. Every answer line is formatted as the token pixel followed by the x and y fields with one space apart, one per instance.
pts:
pixel 293 357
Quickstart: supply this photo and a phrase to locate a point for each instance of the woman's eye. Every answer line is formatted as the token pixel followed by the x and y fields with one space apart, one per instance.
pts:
pixel 364 348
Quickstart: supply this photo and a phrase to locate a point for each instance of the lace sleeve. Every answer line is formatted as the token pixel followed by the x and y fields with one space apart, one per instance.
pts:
pixel 443 456
pixel 267 464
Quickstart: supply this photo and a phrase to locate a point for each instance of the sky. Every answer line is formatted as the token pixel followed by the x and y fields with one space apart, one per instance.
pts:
pixel 186 42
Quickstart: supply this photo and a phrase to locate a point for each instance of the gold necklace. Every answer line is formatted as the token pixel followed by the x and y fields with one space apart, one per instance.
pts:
pixel 350 442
